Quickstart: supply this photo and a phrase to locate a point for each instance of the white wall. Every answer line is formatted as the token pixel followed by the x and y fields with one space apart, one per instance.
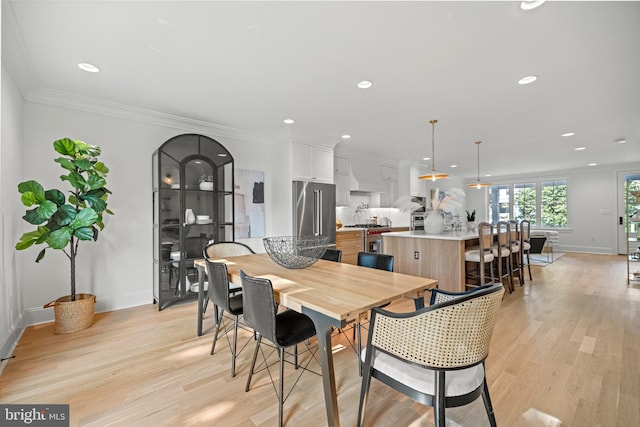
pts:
pixel 118 267
pixel 11 160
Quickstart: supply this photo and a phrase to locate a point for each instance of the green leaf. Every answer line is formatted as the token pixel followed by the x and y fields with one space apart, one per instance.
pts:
pixel 65 146
pixel 75 179
pixel 29 199
pixel 46 209
pixel 101 167
pixel 40 255
pixel 32 193
pixel 84 218
pixel 95 200
pixel 72 199
pixel 96 181
pixel 65 214
pixel 56 196
pixel 59 239
pixel 31 237
pixel 84 233
pixel 33 217
pixel 65 163
pixel 84 164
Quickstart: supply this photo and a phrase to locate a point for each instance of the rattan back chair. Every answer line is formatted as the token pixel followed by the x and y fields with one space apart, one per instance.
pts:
pixel 224 249
pixel 434 355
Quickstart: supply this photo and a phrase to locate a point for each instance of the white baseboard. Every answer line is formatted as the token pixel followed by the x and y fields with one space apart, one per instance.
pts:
pixel 10 341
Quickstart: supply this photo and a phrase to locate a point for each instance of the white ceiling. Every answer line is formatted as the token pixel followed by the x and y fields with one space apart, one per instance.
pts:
pixel 249 65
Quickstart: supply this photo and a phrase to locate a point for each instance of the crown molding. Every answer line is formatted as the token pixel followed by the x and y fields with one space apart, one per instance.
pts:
pixel 97 106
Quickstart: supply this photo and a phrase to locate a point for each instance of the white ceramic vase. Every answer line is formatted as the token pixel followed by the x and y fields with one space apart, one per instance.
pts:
pixel 189 216
pixel 434 223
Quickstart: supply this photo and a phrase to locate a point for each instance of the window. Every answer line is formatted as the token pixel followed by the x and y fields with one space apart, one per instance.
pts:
pixel 524 202
pixel 499 203
pixel 554 204
pixel 543 203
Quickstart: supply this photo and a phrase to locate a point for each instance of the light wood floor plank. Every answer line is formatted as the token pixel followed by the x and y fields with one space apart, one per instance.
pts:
pixel 565 352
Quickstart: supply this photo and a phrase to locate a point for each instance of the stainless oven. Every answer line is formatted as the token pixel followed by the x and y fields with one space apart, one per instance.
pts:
pixel 374 239
pixel 417 221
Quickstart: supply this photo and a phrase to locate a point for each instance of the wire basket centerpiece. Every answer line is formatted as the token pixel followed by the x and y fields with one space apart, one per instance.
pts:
pixel 295 251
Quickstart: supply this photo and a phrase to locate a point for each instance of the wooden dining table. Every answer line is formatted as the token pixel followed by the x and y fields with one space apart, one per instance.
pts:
pixel 332 294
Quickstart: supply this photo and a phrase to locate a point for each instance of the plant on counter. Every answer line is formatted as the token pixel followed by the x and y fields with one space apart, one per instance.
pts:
pixel 63 223
pixel 471 217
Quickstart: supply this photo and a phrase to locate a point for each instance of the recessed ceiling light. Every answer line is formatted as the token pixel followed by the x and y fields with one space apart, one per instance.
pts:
pixel 527 80
pixel 90 68
pixel 426 158
pixel 345 136
pixel 365 84
pixel 621 140
pixel 222 155
pixel 531 4
pixel 488 174
pixel 568 134
pixel 453 166
pixel 580 148
pixel 289 121
pixel 592 164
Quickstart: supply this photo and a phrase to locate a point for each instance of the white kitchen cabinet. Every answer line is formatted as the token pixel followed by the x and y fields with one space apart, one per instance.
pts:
pixel 417 186
pixel 341 179
pixel 312 163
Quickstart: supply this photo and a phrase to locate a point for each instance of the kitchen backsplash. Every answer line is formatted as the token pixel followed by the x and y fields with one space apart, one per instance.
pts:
pixel 359 210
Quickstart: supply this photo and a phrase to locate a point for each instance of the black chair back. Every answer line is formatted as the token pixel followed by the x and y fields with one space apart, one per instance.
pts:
pixel 259 305
pixel 332 255
pixel 218 284
pixel 379 261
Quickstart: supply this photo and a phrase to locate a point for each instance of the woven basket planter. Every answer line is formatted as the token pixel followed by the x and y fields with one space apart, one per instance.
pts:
pixel 72 316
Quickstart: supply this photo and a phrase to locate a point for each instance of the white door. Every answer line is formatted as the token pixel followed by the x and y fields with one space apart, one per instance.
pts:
pixel 632 176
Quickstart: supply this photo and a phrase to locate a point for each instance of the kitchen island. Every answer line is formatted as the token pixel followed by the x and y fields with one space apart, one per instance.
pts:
pixel 437 256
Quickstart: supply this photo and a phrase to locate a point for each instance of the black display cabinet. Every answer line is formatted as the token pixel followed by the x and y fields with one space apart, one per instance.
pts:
pixel 192 205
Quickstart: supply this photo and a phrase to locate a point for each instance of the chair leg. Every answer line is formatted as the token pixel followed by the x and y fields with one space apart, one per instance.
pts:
pixel 281 391
pixel 364 394
pixel 439 419
pixel 218 325
pixel 487 403
pixel 359 348
pixel 253 362
pixel 529 266
pixel 235 345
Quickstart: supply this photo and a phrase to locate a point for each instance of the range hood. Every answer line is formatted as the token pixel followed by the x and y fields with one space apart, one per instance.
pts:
pixel 365 178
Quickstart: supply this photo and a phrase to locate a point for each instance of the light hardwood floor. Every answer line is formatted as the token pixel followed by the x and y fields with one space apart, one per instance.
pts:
pixel 565 351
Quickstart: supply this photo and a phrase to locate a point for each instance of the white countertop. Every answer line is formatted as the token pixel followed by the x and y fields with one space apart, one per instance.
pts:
pixel 447 235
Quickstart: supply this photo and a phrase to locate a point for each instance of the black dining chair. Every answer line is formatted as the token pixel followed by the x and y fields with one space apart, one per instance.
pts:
pixel 332 255
pixel 223 302
pixel 380 262
pixel 285 329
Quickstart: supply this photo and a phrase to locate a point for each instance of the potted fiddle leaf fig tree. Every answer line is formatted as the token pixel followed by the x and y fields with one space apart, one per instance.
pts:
pixel 62 222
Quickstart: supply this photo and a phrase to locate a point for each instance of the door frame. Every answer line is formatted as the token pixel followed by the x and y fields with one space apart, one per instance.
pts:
pixel 621 178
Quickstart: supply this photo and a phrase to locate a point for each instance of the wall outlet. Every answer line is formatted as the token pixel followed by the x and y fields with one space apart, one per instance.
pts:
pixel 416 255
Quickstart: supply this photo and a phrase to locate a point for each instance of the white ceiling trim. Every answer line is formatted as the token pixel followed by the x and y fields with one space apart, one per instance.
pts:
pixel 97 106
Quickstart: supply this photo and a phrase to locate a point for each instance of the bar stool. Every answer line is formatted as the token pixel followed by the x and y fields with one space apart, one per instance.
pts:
pixel 502 253
pixel 481 254
pixel 525 244
pixel 516 255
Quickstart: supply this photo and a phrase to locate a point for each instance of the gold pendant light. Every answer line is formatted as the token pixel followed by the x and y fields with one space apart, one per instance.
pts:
pixel 433 175
pixel 478 184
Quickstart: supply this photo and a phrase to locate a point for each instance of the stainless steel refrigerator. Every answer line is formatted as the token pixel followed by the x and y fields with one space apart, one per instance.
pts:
pixel 314 209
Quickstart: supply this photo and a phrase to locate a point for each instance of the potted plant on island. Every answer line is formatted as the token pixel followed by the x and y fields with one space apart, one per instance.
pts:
pixel 62 223
pixel 471 220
